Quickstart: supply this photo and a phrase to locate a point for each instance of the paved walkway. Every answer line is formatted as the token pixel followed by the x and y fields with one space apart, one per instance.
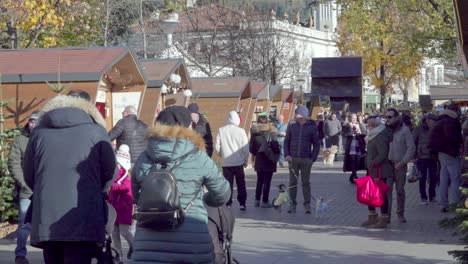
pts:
pixel 264 236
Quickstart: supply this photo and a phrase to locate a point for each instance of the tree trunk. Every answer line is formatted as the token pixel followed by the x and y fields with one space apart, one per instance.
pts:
pixel 383 89
pixel 405 97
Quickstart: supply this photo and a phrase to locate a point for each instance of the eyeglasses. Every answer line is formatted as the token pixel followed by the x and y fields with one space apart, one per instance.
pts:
pixel 389 117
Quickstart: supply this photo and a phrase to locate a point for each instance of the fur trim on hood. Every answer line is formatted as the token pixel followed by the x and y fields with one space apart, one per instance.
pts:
pixel 164 131
pixel 262 128
pixel 449 113
pixel 61 101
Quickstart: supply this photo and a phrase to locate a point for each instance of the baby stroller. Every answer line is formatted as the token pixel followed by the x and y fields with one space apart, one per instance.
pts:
pixel 221 226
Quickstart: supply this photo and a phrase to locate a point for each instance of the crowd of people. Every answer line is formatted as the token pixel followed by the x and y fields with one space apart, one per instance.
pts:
pixel 76 188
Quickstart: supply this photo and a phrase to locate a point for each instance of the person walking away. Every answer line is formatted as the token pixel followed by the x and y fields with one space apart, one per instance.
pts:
pixel 380 168
pixel 401 152
pixel 321 135
pixel 201 125
pixel 15 166
pixel 355 147
pixel 332 129
pixel 445 138
pixel 69 165
pixel 173 143
pixel 426 161
pixel 120 197
pixel 232 145
pixel 301 148
pixel 131 132
pixel 281 128
pixel 262 135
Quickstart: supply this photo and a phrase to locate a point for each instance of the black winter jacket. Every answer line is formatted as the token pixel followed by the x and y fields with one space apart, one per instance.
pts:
pixel 259 136
pixel 446 135
pixel 132 132
pixel 69 164
pixel 300 139
pixel 203 128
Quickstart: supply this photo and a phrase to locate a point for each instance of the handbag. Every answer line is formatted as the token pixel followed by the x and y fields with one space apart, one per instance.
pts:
pixel 370 193
pixel 413 173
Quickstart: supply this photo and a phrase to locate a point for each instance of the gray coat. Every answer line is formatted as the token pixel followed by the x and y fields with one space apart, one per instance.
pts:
pixel 332 127
pixel 132 132
pixel 191 242
pixel 69 164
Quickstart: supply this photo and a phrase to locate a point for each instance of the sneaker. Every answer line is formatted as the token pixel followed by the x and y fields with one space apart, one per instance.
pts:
pixel 292 209
pixel 257 203
pixel 434 201
pixel 130 253
pixel 266 205
pixel 424 202
pixel 21 260
pixel 243 208
pixel 444 210
pixel 307 209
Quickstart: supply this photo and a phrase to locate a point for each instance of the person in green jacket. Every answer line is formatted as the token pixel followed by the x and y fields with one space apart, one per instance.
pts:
pixel 380 169
pixel 15 165
pixel 169 140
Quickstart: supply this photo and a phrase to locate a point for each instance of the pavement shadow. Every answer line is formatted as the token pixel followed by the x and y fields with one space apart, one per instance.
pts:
pixel 287 253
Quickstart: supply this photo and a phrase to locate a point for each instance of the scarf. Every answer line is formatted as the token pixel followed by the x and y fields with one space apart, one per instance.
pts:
pixel 375 132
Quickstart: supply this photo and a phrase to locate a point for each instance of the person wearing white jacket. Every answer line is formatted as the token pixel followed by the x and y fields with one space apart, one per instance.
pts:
pixel 232 145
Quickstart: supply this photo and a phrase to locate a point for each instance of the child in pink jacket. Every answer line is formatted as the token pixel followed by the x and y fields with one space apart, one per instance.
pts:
pixel 120 196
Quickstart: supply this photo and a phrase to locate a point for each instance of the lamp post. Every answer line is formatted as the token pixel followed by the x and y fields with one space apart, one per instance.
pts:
pixel 169 25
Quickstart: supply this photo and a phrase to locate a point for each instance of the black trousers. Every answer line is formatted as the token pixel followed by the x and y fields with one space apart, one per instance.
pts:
pixel 428 170
pixel 236 172
pixel 263 185
pixel 384 207
pixel 332 141
pixel 69 252
pixel 354 164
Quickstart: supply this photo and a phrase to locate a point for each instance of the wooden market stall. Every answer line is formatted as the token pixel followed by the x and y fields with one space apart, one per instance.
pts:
pixel 109 74
pixel 287 99
pixel 217 96
pixel 167 84
pixel 276 100
pixel 260 101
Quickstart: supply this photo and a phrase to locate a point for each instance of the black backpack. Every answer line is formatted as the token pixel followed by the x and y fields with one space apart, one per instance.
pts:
pixel 159 204
pixel 270 148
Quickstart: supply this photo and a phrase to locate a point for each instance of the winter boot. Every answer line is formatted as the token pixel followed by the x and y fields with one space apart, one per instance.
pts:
pixel 372 219
pixel 257 203
pixel 382 222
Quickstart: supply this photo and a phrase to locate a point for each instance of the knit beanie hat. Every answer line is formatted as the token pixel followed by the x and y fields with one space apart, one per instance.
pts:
pixel 175 116
pixel 193 107
pixel 303 111
pixel 123 157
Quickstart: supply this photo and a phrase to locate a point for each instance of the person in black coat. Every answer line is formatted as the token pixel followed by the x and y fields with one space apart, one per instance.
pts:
pixel 264 167
pixel 131 132
pixel 69 165
pixel 201 125
pixel 355 147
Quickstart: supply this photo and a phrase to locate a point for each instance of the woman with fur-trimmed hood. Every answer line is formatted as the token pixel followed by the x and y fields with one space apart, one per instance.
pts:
pixel 168 141
pixel 263 165
pixel 69 165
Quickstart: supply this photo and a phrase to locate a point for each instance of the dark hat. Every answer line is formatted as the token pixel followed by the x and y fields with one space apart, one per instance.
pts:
pixel 175 116
pixel 193 107
pixel 303 111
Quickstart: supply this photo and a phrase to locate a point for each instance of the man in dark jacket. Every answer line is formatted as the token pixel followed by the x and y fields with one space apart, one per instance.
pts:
pixel 15 166
pixel 130 131
pixel 300 137
pixel 69 165
pixel 201 125
pixel 445 139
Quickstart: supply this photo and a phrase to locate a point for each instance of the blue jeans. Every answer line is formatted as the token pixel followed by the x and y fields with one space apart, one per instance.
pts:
pixel 449 174
pixel 22 233
pixel 281 157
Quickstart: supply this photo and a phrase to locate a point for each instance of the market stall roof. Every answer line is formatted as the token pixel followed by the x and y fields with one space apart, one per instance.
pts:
pixel 275 93
pixel 73 64
pixel 157 71
pixel 221 87
pixel 260 90
pixel 286 95
pixel 449 92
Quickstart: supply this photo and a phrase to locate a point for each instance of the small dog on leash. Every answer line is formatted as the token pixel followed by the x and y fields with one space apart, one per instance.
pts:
pixel 282 198
pixel 329 155
pixel 321 206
